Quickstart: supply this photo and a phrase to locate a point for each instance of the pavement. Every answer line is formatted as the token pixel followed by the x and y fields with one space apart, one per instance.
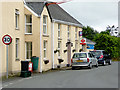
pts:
pixel 101 77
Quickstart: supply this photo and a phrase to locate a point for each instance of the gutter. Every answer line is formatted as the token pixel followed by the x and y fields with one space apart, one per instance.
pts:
pixel 68 23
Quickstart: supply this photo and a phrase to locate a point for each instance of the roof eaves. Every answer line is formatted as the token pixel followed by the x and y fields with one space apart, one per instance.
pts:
pixel 91 43
pixel 68 23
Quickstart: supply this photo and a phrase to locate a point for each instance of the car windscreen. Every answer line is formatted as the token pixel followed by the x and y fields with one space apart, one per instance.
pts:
pixel 80 55
pixel 96 53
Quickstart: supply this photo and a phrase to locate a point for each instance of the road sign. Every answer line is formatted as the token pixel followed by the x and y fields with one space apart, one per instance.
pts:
pixel 7 39
pixel 80 33
pixel 83 41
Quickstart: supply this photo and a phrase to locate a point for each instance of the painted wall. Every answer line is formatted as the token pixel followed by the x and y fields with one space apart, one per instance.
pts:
pixel 0 40
pixel 35 38
pixel 64 39
pixel 48 39
pixel 8 27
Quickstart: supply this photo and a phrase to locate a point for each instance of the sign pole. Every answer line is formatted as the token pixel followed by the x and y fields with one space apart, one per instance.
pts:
pixel 7 40
pixel 7 61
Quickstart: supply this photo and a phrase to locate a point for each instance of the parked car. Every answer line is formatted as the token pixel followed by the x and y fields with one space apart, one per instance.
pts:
pixel 84 59
pixel 102 57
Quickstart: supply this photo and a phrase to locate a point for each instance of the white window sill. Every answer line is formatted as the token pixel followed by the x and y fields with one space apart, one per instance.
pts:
pixel 59 38
pixel 27 59
pixel 59 57
pixel 28 33
pixel 44 59
pixel 17 59
pixel 76 40
pixel 45 35
pixel 16 28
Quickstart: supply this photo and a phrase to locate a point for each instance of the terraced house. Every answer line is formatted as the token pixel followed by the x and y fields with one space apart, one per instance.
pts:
pixel 38 29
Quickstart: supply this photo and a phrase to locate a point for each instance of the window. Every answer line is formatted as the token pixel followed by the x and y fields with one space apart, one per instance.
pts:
pixel 68 31
pixel 45 49
pixel 80 55
pixel 58 30
pixel 17 18
pixel 59 46
pixel 17 48
pixel 28 50
pixel 90 55
pixel 45 25
pixel 76 46
pixel 76 33
pixel 28 22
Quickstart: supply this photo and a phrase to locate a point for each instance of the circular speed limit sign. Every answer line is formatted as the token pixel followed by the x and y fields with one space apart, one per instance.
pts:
pixel 7 39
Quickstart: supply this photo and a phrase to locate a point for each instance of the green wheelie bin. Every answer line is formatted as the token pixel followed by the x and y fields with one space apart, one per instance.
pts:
pixel 35 60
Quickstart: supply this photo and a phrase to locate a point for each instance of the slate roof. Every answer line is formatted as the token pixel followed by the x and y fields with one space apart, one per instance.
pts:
pixel 58 13
pixel 37 7
pixel 54 10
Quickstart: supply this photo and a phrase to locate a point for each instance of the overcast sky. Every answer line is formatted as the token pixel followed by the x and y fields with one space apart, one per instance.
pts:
pixel 95 13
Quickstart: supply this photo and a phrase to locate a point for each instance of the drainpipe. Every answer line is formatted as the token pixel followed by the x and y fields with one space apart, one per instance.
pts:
pixel 52 31
pixel 40 45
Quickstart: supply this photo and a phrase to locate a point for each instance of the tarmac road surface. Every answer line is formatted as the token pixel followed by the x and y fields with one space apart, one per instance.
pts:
pixel 101 77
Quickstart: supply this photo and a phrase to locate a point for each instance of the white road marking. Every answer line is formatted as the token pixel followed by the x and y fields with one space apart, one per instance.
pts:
pixel 10 83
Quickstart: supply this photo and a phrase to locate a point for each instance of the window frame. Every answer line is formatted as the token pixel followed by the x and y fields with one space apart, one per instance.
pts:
pixel 76 46
pixel 29 51
pixel 76 29
pixel 68 32
pixel 59 30
pixel 45 49
pixel 17 19
pixel 17 48
pixel 45 24
pixel 28 24
pixel 59 49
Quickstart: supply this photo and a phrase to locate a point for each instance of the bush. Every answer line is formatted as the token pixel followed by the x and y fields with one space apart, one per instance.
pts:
pixel 108 43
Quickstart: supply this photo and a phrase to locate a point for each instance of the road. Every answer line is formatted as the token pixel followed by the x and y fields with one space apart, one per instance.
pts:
pixel 101 77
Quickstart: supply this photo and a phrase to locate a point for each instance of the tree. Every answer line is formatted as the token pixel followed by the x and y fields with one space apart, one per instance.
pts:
pixel 108 43
pixel 104 41
pixel 89 32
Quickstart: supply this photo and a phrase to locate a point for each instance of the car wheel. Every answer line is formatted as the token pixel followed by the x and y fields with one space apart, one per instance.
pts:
pixel 90 66
pixel 96 65
pixel 73 68
pixel 104 63
pixel 110 62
